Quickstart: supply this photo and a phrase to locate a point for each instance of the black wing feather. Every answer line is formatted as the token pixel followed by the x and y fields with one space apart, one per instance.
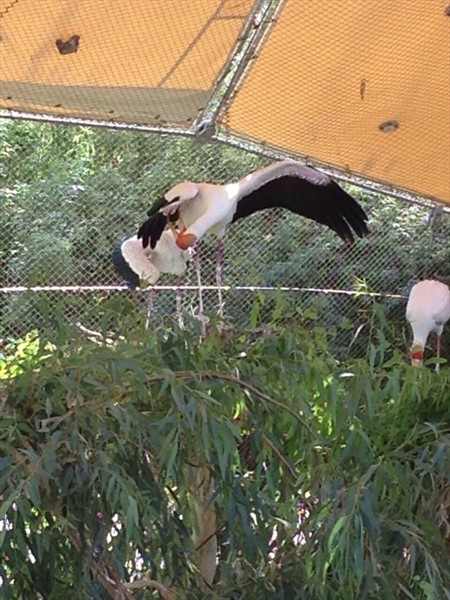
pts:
pixel 152 229
pixel 156 206
pixel 130 278
pixel 327 204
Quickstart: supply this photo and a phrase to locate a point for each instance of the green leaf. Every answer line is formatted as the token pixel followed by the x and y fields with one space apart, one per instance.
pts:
pixel 132 518
pixel 33 491
pixel 169 466
pixel 338 526
pixel 6 504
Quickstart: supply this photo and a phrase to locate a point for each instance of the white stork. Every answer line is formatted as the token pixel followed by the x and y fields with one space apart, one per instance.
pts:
pixel 204 208
pixel 135 263
pixel 201 208
pixel 427 310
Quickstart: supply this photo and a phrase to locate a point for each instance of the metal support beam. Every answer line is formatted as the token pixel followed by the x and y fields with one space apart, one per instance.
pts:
pixel 255 29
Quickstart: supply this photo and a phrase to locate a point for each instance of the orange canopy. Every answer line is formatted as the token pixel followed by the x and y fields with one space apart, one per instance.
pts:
pixel 362 86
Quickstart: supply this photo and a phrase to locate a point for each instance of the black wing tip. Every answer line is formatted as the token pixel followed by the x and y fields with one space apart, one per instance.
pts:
pixel 122 268
pixel 151 230
pixel 131 283
pixel 353 214
pixel 142 234
pixel 358 228
pixel 364 230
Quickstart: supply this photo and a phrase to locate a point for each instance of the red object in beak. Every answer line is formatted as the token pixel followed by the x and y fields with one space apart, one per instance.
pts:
pixel 186 240
pixel 417 356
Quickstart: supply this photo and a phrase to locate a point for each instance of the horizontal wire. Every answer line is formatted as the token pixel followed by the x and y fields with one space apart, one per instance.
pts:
pixel 241 288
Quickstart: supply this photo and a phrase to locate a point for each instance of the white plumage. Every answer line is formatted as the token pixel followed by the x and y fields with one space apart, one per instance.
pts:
pixel 427 311
pixel 147 263
pixel 201 208
pixel 192 210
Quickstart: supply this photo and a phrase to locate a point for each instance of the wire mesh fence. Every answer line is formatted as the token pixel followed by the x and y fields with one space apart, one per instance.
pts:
pixel 69 194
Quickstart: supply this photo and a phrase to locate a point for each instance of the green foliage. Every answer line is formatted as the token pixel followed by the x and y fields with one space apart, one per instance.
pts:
pixel 346 461
pixel 331 479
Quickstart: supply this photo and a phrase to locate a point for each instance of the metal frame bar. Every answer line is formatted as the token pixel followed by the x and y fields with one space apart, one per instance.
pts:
pixel 81 122
pixel 254 30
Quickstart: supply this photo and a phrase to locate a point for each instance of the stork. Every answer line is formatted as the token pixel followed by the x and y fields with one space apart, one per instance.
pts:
pixel 202 208
pixel 427 310
pixel 135 263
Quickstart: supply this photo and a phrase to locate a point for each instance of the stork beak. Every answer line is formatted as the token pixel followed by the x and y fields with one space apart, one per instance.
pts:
pixel 416 354
pixel 173 229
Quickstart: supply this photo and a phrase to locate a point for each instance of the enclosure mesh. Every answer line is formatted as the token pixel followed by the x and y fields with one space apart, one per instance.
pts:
pixel 69 193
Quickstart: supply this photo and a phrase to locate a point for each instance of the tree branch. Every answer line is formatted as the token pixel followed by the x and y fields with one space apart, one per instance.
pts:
pixel 243 384
pixel 278 453
pixel 140 584
pixel 111 584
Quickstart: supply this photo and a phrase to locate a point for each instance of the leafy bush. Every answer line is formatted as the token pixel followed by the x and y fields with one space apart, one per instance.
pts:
pixel 330 480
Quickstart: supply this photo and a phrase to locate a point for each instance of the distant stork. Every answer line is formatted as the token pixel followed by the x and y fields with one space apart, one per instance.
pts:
pixel 202 208
pixel 134 263
pixel 427 311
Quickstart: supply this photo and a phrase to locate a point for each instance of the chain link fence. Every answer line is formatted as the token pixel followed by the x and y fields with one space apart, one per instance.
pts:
pixel 69 193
